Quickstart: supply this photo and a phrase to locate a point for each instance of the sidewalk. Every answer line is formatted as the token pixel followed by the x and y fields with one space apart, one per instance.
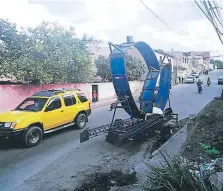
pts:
pixel 103 102
pixel 107 101
pixel 110 100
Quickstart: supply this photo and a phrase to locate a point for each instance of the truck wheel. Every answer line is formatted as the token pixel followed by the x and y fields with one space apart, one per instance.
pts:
pixel 32 136
pixel 81 121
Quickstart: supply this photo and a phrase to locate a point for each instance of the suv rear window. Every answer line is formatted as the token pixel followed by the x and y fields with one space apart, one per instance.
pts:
pixel 82 97
pixel 69 100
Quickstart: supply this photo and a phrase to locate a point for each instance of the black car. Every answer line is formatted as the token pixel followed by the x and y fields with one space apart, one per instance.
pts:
pixel 220 80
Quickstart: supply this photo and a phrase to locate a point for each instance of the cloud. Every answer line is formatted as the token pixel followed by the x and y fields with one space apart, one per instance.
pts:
pixel 113 20
pixel 23 13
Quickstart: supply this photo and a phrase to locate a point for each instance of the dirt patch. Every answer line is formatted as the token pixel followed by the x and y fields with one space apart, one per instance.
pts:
pixel 105 181
pixel 113 167
pixel 205 140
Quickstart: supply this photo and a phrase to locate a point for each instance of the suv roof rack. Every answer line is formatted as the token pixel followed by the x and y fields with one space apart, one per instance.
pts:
pixel 71 89
pixel 51 92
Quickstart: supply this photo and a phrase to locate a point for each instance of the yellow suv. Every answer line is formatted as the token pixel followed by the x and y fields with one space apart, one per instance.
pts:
pixel 45 112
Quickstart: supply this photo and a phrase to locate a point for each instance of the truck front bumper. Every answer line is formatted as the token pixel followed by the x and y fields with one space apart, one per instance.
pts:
pixel 11 133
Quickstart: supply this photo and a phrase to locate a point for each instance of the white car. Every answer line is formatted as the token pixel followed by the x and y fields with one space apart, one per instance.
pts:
pixel 190 79
pixel 196 75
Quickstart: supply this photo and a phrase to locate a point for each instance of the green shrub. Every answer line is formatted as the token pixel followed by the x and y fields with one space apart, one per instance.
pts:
pixel 173 176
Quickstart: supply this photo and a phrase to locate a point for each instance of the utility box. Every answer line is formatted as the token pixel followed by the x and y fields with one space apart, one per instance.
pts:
pixel 129 39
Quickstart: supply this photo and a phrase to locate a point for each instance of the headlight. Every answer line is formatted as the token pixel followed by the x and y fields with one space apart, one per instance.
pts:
pixel 9 125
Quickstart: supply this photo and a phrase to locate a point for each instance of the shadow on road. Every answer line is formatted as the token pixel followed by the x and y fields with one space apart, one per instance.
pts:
pixel 6 144
pixel 10 143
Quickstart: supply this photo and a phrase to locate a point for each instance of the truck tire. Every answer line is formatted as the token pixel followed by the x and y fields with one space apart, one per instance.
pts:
pixel 32 136
pixel 81 121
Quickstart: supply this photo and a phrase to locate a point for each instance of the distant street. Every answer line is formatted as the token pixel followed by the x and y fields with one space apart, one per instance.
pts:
pixel 18 164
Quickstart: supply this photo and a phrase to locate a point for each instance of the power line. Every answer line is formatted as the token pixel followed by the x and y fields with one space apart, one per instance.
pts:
pixel 155 15
pixel 209 17
pixel 162 20
pixel 211 13
pixel 203 18
pixel 187 18
pixel 218 10
pixel 206 57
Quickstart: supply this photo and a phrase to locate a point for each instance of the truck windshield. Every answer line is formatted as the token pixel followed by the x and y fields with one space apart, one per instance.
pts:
pixel 32 104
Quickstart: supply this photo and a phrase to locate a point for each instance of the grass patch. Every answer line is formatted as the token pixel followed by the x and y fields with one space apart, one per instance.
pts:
pixel 203 144
pixel 205 141
pixel 173 176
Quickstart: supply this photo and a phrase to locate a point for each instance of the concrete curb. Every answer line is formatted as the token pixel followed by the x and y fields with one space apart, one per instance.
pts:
pixel 110 101
pixel 94 106
pixel 171 147
pixel 174 137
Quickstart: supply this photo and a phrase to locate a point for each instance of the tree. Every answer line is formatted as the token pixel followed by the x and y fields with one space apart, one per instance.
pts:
pixel 103 68
pixel 134 66
pixel 50 54
pixel 217 63
pixel 10 45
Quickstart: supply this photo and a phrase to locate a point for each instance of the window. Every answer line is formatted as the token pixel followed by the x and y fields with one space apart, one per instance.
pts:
pixel 32 104
pixel 54 104
pixel 82 97
pixel 69 100
pixel 185 60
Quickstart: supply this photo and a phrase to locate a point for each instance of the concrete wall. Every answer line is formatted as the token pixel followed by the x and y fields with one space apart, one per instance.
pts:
pixel 12 95
pixel 106 90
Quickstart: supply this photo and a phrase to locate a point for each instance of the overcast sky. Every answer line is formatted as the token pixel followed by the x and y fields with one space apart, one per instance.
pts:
pixel 185 28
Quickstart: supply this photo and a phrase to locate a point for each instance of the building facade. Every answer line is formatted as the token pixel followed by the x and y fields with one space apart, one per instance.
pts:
pixel 200 60
pixel 182 66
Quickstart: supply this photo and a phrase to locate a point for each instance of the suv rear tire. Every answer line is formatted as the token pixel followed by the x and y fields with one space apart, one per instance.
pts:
pixel 32 136
pixel 81 121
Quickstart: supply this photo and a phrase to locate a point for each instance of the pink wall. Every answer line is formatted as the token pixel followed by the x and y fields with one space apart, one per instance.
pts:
pixel 12 95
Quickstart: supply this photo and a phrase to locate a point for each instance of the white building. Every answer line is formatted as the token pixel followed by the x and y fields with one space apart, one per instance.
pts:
pixel 200 60
pixel 182 65
pixel 163 58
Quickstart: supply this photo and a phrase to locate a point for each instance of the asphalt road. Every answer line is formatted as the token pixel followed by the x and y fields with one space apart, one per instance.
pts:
pixel 18 164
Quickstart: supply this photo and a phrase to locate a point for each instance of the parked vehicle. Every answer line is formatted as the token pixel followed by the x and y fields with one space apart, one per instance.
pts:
pixel 220 80
pixel 190 79
pixel 195 74
pixel 45 112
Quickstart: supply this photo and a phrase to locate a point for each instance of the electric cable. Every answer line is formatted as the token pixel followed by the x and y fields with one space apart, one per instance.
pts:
pixel 155 15
pixel 209 17
pixel 163 21
pixel 187 18
pixel 215 15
